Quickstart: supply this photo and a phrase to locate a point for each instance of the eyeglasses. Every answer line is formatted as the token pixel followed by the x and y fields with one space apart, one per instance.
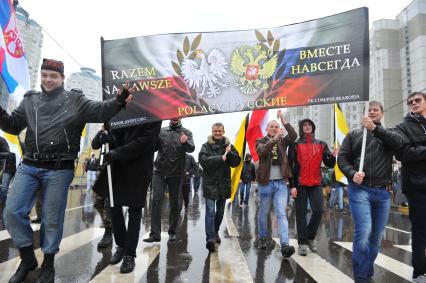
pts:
pixel 417 100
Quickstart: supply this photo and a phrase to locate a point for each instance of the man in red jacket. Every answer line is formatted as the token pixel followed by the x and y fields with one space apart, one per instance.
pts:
pixel 306 156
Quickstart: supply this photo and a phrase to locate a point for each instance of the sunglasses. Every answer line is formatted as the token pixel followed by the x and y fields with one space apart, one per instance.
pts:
pixel 416 100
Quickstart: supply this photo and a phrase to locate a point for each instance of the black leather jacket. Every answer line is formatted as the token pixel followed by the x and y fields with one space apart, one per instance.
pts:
pixel 413 154
pixel 54 121
pixel 380 148
pixel 170 159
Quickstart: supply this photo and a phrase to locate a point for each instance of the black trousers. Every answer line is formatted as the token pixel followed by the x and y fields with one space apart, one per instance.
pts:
pixel 417 214
pixel 307 231
pixel 197 183
pixel 159 185
pixel 186 190
pixel 127 239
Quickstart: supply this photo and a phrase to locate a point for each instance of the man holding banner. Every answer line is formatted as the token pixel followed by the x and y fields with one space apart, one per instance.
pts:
pixel 368 198
pixel 216 156
pixel 54 119
pixel 273 173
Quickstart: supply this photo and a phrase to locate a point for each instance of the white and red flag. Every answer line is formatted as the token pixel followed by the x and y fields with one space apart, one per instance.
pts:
pixel 256 129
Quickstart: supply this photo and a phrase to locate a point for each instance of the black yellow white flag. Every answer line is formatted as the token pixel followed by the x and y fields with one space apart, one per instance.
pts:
pixel 341 130
pixel 240 145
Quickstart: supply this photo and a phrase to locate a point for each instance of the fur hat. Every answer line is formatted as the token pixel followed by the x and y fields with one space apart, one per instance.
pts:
pixel 53 65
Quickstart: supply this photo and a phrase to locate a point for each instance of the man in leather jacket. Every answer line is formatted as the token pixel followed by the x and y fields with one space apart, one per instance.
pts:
pixel 54 119
pixel 413 174
pixel 369 199
pixel 169 168
pixel 272 176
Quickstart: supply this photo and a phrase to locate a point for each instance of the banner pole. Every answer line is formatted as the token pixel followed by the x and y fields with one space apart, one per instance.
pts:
pixel 364 141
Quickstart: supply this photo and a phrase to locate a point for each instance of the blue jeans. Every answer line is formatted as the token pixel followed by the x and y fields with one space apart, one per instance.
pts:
pixel 370 210
pixel 214 217
pixel 21 198
pixel 91 178
pixel 244 192
pixel 337 191
pixel 7 177
pixel 277 192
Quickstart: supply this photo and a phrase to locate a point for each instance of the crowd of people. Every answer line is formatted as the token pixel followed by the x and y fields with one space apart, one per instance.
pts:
pixel 290 166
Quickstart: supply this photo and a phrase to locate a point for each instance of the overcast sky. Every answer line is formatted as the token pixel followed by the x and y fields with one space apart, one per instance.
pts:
pixel 77 26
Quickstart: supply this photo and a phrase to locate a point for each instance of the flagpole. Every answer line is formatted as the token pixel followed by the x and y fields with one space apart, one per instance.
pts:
pixel 104 150
pixel 111 196
pixel 364 141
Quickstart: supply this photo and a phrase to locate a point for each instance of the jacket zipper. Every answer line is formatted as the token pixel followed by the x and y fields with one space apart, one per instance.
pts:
pixel 36 129
pixel 59 115
pixel 68 142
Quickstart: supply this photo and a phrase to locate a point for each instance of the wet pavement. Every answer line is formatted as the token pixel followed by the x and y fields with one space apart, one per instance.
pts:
pixel 237 258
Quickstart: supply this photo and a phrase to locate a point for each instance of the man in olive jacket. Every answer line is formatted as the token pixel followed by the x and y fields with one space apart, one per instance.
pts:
pixel 54 119
pixel 216 156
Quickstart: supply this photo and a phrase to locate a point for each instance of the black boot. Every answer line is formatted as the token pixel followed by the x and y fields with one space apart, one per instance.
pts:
pixel 47 274
pixel 118 256
pixel 106 240
pixel 128 264
pixel 28 263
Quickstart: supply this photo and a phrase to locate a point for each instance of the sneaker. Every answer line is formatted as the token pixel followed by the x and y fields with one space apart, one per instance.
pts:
pixel 151 239
pixel 312 247
pixel 128 264
pixel 106 240
pixel 218 240
pixel 36 221
pixel 262 243
pixel 287 251
pixel 420 279
pixel 303 250
pixel 117 256
pixel 172 237
pixel 210 245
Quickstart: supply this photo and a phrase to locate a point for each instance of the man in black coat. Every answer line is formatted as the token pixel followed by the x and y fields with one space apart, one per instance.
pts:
pixel 216 156
pixel 130 157
pixel 169 168
pixel 413 174
pixel 248 175
pixel 54 119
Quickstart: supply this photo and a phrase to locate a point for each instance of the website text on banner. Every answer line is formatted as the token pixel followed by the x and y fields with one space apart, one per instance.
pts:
pixel 320 61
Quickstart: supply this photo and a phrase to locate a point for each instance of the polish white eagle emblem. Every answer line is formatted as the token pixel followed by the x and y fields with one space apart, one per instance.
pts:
pixel 205 74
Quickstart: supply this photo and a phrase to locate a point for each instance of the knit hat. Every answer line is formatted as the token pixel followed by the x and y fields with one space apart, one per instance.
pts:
pixel 53 65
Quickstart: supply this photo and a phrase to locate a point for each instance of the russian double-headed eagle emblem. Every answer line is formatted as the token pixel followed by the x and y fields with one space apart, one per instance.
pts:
pixel 255 65
pixel 205 74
